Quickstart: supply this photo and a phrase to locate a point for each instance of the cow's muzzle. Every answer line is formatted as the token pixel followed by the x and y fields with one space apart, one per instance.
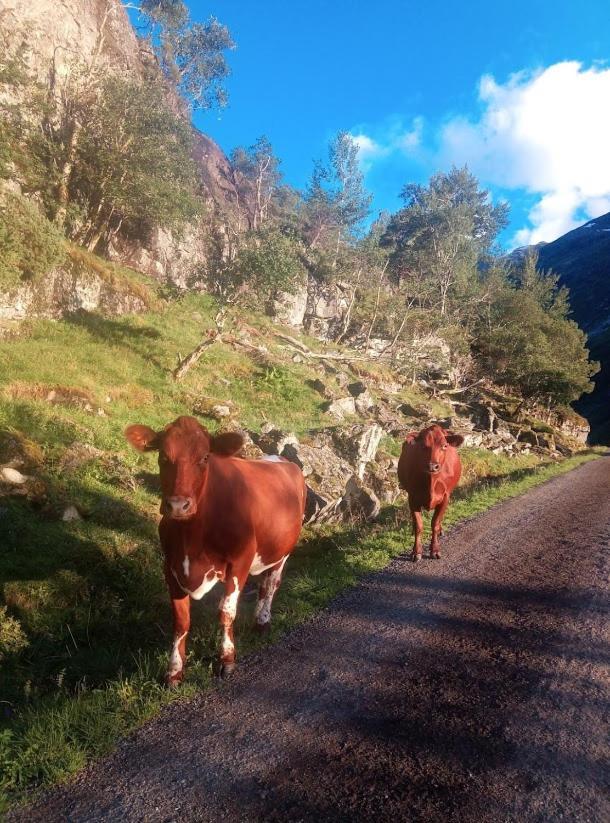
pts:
pixel 178 508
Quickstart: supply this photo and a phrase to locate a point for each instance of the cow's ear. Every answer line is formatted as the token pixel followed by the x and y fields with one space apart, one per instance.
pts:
pixel 227 443
pixel 142 438
pixel 411 437
pixel 454 439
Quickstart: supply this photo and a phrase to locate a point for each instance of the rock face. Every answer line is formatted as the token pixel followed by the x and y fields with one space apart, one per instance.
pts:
pixel 64 292
pixel 62 38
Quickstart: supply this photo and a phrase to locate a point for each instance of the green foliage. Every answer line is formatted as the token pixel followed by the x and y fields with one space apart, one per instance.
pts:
pixel 12 636
pixel 271 261
pixel 438 237
pixel 132 166
pixel 525 339
pixel 257 174
pixel 191 55
pixel 29 244
pixel 336 201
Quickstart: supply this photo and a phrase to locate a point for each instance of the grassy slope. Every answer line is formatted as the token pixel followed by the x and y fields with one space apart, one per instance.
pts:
pixel 89 594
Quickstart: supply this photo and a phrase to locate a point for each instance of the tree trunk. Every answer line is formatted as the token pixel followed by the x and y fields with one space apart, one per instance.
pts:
pixel 66 172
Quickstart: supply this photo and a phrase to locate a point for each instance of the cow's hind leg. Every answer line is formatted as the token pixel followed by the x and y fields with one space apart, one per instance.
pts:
pixel 418 527
pixel 437 529
pixel 266 592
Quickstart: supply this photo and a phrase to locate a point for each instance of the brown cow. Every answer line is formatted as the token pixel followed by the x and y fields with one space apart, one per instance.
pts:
pixel 429 469
pixel 223 519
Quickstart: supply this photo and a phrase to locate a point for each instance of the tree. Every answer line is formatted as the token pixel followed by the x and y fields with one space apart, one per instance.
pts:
pixel 525 339
pixel 133 168
pixel 257 173
pixel 336 201
pixel 270 261
pixel 441 233
pixel 191 55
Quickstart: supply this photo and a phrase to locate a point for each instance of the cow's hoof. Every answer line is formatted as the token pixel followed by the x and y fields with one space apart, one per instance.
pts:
pixel 262 628
pixel 226 670
pixel 416 558
pixel 173 681
pixel 435 555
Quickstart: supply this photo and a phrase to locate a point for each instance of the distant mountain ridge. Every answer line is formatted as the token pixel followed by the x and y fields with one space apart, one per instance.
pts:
pixel 581 258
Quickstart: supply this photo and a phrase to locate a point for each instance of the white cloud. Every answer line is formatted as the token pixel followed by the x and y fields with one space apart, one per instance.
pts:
pixel 391 138
pixel 546 132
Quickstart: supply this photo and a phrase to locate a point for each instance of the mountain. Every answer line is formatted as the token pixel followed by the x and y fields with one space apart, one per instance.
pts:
pixel 581 258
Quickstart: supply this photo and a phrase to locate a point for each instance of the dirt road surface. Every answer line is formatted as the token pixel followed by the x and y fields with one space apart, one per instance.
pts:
pixel 474 688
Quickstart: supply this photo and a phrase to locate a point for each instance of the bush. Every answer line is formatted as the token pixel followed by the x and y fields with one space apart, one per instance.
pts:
pixel 12 636
pixel 30 245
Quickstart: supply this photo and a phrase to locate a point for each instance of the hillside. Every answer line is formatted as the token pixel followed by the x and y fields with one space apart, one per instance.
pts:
pixel 582 259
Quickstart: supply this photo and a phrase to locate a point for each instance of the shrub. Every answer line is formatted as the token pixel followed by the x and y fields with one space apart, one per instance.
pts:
pixel 30 245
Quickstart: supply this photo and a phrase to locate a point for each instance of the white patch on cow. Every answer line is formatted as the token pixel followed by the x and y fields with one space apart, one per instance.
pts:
pixel 175 661
pixel 228 647
pixel 229 603
pixel 186 564
pixel 258 566
pixel 262 613
pixel 210 579
pixel 273 458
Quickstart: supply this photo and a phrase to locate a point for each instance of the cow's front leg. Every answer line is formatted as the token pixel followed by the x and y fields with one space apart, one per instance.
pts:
pixel 266 592
pixel 181 609
pixel 228 610
pixel 418 527
pixel 437 529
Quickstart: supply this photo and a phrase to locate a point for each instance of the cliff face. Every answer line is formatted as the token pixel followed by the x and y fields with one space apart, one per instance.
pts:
pixel 60 36
pixel 59 32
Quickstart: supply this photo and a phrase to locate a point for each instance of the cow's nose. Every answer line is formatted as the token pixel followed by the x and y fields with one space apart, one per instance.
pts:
pixel 434 467
pixel 178 506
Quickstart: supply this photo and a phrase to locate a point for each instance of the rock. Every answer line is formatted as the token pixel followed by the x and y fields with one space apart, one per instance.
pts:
pixel 341 407
pixel 358 502
pixel 289 308
pixel 12 476
pixel 296 358
pixel 71 514
pixel 77 455
pixel 364 403
pixel 358 444
pixel 274 441
pixel 314 504
pixel 528 436
pixel 219 412
pixel 474 439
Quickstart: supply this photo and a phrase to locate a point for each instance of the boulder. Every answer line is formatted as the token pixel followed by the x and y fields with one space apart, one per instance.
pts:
pixel 13 477
pixel 358 445
pixel 364 403
pixel 358 502
pixel 341 407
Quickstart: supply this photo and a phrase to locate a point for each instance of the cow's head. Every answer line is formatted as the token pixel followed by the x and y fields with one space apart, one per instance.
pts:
pixel 184 448
pixel 431 446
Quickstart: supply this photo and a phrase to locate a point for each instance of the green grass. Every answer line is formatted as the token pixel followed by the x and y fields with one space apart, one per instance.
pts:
pixel 84 640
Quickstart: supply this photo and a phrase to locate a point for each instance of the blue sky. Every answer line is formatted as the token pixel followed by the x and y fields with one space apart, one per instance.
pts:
pixel 516 89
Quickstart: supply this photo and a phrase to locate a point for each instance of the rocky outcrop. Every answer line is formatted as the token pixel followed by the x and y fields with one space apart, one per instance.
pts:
pixel 65 291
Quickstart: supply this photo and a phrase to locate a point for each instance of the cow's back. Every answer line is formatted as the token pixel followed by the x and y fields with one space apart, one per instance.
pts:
pixel 255 500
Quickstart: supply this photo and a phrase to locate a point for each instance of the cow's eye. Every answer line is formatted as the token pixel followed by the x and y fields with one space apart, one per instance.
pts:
pixel 202 461
pixel 444 447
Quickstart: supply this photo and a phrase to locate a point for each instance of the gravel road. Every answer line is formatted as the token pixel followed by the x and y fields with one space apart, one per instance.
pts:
pixel 474 688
